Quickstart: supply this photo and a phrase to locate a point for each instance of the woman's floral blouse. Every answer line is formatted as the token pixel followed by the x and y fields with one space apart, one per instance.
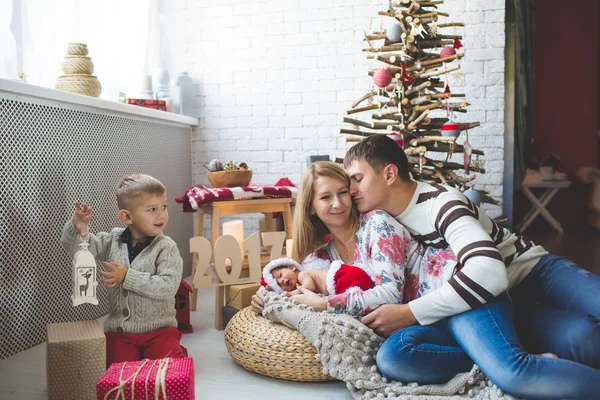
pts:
pixel 401 268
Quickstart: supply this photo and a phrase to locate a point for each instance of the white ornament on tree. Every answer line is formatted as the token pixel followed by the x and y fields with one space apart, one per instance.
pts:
pixel 84 276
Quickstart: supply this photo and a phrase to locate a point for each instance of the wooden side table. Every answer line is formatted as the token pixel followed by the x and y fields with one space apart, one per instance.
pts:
pixel 539 204
pixel 219 208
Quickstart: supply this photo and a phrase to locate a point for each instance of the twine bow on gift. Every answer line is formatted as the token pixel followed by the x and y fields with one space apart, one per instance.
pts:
pixel 160 386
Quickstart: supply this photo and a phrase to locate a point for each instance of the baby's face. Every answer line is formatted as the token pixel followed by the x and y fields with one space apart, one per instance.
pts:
pixel 286 277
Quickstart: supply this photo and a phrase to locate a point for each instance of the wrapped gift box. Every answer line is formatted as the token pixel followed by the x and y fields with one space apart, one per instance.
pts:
pixel 240 296
pixel 171 378
pixel 75 359
pixel 154 104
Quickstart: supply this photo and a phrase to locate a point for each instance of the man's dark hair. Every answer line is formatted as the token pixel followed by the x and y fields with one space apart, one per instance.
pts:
pixel 378 151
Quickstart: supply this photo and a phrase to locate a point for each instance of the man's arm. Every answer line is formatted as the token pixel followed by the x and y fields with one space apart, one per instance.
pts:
pixel 483 275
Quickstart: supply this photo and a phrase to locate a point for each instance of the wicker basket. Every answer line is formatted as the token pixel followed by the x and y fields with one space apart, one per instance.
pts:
pixel 271 349
pixel 230 178
pixel 77 49
pixel 82 84
pixel 79 65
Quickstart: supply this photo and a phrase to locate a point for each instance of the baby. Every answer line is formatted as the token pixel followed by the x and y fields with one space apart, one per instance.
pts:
pixel 320 276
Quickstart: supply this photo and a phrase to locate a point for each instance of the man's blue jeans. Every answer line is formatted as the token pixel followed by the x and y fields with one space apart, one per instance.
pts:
pixel 556 310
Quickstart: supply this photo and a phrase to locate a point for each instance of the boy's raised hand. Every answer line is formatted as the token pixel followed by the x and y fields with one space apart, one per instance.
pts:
pixel 115 276
pixel 82 218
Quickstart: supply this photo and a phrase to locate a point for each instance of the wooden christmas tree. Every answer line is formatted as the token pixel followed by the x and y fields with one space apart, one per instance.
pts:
pixel 410 83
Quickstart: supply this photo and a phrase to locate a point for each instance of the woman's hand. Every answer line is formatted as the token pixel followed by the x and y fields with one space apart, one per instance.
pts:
pixel 389 318
pixel 310 299
pixel 258 300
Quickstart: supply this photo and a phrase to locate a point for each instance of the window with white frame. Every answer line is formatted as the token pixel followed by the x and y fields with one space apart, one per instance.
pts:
pixel 122 38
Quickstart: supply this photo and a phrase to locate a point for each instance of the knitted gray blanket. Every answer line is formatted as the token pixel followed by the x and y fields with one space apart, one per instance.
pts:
pixel 347 350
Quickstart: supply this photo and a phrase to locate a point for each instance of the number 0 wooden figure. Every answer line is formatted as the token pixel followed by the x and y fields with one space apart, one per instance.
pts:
pixel 84 276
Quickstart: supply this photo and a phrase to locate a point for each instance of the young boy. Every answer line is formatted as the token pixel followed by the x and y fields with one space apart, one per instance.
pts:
pixel 321 276
pixel 144 271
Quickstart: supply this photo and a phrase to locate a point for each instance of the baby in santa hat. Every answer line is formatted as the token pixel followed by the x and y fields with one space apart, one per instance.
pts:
pixel 319 276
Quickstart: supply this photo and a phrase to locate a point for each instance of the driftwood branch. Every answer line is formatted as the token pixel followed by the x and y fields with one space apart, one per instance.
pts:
pixel 393 117
pixel 357 122
pixel 451 24
pixel 365 97
pixel 449 139
pixel 410 151
pixel 361 109
pixel 432 106
pixel 429 44
pixel 356 132
pixel 418 88
pixel 429 74
pixel 414 124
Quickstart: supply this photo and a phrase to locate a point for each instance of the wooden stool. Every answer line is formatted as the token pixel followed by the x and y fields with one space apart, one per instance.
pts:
pixel 539 205
pixel 237 207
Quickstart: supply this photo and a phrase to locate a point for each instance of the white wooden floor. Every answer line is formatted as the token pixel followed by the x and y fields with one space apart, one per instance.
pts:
pixel 23 376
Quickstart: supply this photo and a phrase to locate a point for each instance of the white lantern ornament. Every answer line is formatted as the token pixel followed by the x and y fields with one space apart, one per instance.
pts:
pixel 84 276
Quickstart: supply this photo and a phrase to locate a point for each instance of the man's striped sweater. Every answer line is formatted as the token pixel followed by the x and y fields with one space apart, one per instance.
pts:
pixel 493 259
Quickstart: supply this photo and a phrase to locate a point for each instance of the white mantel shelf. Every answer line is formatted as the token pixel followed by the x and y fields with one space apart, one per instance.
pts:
pixel 20 91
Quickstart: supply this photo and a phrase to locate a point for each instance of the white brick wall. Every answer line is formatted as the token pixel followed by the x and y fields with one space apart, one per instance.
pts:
pixel 275 77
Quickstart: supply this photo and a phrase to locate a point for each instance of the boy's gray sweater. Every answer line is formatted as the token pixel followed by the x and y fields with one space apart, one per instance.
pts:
pixel 145 301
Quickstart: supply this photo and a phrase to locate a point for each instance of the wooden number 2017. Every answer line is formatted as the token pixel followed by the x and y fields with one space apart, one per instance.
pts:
pixel 227 247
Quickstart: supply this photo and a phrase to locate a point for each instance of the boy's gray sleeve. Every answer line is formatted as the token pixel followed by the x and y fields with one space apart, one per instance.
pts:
pixel 99 243
pixel 163 284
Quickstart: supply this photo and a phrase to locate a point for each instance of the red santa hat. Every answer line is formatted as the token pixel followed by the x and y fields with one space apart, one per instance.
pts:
pixel 342 278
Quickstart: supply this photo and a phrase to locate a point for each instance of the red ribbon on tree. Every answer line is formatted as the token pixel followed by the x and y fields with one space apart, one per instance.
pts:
pixel 457 43
pixel 405 76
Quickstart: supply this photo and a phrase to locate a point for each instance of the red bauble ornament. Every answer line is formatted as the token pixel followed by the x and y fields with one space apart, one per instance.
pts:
pixel 447 51
pixel 451 128
pixel 396 137
pixel 382 77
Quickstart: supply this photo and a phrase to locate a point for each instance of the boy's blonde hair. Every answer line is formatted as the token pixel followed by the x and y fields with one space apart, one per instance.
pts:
pixel 309 230
pixel 134 186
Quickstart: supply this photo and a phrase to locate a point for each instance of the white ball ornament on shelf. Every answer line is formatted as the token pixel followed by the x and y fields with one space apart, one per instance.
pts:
pixel 215 165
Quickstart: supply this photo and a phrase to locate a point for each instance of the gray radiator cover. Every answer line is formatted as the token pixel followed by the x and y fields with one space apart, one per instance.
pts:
pixel 52 155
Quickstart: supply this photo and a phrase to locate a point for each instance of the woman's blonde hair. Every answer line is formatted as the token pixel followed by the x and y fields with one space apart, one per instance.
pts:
pixel 309 230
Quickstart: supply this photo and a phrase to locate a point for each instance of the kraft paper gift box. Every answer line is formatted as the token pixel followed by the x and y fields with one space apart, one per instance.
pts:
pixel 75 359
pixel 239 296
pixel 164 379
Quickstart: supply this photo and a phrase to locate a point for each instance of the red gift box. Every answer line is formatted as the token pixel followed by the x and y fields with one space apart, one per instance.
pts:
pixel 148 103
pixel 171 378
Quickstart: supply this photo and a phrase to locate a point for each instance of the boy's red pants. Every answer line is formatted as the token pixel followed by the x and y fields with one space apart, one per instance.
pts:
pixel 161 343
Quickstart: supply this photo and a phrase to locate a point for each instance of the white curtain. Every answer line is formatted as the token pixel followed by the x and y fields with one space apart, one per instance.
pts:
pixel 118 35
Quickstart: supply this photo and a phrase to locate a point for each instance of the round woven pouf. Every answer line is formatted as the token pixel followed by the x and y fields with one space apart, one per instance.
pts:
pixel 271 349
